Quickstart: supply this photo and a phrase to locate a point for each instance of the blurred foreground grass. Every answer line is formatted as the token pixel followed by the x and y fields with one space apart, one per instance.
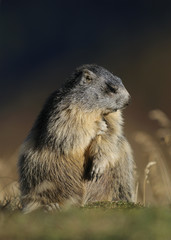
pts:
pixel 119 221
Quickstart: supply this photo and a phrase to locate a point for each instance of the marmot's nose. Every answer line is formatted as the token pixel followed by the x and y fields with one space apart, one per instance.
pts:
pixel 128 101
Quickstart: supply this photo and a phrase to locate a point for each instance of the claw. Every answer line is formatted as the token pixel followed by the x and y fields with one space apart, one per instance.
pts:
pixel 52 207
pixel 97 170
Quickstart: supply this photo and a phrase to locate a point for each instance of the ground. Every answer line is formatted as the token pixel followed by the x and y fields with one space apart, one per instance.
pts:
pixel 119 221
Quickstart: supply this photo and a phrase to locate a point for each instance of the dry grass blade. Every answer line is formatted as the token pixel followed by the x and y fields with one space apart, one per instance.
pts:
pixel 155 154
pixel 161 117
pixel 146 179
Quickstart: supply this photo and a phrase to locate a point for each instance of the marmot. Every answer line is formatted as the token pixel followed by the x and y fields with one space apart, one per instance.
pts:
pixel 76 152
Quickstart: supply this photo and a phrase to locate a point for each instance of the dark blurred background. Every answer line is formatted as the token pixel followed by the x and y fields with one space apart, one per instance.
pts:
pixel 43 41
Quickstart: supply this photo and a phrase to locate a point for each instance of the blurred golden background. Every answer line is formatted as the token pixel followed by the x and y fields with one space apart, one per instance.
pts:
pixel 42 42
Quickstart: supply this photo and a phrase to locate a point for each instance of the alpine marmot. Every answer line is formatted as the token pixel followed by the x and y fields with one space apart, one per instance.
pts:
pixel 76 152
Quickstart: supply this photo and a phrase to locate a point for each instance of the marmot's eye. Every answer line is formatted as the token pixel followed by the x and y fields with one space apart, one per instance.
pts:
pixel 112 88
pixel 88 78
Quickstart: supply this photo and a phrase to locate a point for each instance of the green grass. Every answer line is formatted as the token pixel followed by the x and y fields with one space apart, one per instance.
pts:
pixel 118 221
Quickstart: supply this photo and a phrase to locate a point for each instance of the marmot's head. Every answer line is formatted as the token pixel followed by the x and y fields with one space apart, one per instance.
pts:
pixel 96 88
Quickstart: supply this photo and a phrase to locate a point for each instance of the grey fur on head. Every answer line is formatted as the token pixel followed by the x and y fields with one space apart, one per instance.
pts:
pixel 94 86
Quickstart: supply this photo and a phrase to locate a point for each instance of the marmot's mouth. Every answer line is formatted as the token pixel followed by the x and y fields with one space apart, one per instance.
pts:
pixel 114 109
pixel 109 110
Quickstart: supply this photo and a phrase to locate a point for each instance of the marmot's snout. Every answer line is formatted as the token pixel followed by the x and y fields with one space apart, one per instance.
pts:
pixel 124 97
pixel 127 98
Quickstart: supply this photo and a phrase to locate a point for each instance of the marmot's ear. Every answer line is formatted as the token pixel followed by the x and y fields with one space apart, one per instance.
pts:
pixel 87 76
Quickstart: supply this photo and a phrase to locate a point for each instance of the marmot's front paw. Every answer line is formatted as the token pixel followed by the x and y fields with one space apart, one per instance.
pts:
pixel 102 127
pixel 98 169
pixel 51 207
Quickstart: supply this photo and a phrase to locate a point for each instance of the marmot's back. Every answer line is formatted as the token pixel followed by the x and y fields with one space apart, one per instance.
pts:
pixel 76 151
